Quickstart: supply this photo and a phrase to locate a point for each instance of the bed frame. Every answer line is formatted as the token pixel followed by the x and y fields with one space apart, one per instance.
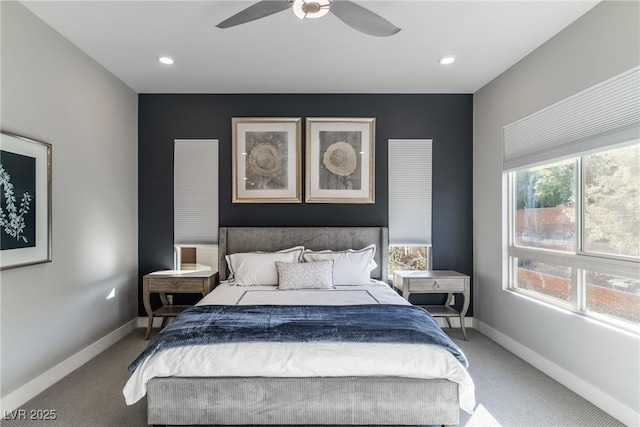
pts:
pixel 302 401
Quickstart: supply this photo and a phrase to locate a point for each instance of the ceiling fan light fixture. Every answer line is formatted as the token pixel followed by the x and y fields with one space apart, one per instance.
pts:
pixel 308 9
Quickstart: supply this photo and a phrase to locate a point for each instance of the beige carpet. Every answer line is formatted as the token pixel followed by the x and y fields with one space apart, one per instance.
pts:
pixel 509 392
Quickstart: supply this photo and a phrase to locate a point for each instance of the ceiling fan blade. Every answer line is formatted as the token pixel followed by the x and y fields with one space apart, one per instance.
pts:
pixel 259 10
pixel 362 19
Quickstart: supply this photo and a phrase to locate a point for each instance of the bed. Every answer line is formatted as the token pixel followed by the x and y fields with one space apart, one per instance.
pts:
pixel 373 382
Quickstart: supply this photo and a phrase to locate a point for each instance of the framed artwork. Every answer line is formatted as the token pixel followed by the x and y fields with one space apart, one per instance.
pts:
pixel 340 160
pixel 266 160
pixel 25 201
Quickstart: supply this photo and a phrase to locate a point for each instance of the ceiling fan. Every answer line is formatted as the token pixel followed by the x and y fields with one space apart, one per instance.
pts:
pixel 352 14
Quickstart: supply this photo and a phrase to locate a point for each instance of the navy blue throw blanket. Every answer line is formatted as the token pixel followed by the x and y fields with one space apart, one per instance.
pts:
pixel 375 323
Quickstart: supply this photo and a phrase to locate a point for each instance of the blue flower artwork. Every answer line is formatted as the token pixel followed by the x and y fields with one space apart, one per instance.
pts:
pixel 17 201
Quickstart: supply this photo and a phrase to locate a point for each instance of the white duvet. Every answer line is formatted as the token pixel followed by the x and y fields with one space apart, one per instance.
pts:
pixel 311 359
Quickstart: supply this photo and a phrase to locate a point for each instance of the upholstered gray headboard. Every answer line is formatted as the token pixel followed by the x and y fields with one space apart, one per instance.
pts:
pixel 269 239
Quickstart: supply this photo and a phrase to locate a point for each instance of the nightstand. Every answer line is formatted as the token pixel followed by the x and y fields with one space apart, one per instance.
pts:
pixel 436 282
pixel 174 282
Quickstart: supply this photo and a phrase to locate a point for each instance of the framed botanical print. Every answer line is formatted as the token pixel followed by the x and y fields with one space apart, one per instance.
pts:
pixel 266 160
pixel 25 201
pixel 340 160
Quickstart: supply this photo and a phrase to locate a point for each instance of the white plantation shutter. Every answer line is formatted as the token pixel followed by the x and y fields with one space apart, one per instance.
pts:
pixel 410 191
pixel 195 193
pixel 601 116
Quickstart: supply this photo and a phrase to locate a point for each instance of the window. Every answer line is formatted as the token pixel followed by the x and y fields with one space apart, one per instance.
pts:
pixel 545 279
pixel 574 203
pixel 409 204
pixel 195 199
pixel 403 258
pixel 545 214
pixel 576 233
pixel 611 210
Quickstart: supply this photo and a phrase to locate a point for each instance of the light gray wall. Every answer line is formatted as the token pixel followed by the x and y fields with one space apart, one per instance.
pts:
pixel 53 92
pixel 602 43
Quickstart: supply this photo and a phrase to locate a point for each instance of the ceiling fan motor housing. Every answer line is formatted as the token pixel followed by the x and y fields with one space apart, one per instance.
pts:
pixel 311 9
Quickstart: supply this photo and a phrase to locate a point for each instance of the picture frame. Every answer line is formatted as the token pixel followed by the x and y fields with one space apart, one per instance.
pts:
pixel 266 157
pixel 25 201
pixel 340 160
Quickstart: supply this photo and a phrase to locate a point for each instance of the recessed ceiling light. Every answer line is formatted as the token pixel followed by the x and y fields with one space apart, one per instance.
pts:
pixel 445 60
pixel 167 60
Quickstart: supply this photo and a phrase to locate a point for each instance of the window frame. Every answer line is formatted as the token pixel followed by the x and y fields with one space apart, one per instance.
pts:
pixel 579 261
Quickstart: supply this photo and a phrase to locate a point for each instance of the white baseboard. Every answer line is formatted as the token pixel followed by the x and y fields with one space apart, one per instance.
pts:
pixel 14 400
pixel 602 400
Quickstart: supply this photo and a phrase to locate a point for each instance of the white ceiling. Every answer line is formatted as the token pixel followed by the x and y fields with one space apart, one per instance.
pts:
pixel 282 54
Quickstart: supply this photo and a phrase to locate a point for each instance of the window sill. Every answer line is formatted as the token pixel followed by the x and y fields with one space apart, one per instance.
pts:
pixel 596 318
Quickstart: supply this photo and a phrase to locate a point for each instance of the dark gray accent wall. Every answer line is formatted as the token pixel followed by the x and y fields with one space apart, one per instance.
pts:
pixel 447 119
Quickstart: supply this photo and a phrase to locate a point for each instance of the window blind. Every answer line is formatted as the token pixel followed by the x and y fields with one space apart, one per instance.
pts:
pixel 195 193
pixel 410 191
pixel 603 115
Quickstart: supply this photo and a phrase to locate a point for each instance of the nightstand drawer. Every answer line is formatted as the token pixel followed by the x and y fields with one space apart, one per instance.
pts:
pixel 436 285
pixel 176 284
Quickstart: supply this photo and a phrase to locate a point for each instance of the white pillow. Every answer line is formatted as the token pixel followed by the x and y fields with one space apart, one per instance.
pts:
pixel 305 275
pixel 259 268
pixel 350 267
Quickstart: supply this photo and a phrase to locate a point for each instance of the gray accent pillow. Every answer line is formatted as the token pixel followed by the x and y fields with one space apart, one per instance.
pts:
pixel 310 275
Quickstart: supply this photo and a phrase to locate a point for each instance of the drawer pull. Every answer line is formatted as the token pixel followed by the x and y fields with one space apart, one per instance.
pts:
pixel 175 284
pixel 436 285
